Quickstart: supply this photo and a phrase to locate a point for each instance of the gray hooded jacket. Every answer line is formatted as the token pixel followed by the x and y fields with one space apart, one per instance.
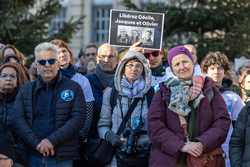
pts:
pixel 111 120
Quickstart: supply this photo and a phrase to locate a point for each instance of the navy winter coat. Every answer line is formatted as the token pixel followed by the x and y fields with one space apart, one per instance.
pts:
pixel 69 101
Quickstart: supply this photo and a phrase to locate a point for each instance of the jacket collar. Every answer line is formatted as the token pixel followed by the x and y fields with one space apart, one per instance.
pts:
pixel 158 71
pixel 39 83
pixel 9 97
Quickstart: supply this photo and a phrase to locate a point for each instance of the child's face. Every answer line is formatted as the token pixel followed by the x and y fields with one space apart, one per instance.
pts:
pixel 216 72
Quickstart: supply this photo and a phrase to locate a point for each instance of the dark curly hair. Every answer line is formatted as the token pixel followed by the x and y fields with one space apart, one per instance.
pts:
pixel 213 58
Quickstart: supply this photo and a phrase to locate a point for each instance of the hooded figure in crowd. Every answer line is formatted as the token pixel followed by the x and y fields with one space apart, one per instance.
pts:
pixel 132 80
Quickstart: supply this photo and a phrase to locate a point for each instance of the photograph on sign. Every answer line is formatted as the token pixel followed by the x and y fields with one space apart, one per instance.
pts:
pixel 128 27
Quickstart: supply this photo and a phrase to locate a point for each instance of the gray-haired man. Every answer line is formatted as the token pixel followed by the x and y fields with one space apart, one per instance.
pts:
pixel 46 114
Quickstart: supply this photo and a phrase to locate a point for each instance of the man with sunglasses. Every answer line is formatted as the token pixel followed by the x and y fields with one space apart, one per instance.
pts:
pixel 155 59
pixel 46 114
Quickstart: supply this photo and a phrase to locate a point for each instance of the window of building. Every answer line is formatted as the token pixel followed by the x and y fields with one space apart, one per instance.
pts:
pixel 57 22
pixel 101 23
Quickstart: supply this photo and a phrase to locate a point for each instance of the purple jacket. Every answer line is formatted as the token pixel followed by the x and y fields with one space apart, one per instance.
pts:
pixel 167 136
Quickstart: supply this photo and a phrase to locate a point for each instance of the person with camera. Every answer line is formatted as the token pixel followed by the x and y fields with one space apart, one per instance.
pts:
pixel 188 119
pixel 127 104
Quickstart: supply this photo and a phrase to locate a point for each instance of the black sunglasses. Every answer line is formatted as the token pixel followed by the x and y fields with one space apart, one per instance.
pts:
pixel 154 54
pixel 43 61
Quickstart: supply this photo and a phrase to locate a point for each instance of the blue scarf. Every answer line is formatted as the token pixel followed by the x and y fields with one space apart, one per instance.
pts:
pixel 132 90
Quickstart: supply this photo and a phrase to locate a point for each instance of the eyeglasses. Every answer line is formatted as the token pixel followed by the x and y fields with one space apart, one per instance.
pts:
pixel 10 76
pixel 43 62
pixel 90 54
pixel 154 54
pixel 136 66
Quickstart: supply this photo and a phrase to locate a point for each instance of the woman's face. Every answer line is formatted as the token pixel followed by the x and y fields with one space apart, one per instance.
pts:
pixel 133 70
pixel 247 83
pixel 216 72
pixel 64 57
pixel 182 67
pixel 8 78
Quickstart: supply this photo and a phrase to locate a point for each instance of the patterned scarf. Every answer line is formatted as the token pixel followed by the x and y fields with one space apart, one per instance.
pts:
pixel 182 92
pixel 134 89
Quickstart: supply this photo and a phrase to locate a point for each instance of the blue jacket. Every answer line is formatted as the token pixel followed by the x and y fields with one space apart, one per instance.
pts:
pixel 69 102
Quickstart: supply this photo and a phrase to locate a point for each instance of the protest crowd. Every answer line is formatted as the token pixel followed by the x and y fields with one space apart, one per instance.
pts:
pixel 157 108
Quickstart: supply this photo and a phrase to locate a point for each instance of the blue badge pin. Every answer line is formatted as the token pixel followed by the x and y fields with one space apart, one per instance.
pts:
pixel 67 95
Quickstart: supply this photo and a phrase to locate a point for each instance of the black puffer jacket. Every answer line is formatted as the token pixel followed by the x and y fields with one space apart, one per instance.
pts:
pixel 239 147
pixel 6 103
pixel 68 119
